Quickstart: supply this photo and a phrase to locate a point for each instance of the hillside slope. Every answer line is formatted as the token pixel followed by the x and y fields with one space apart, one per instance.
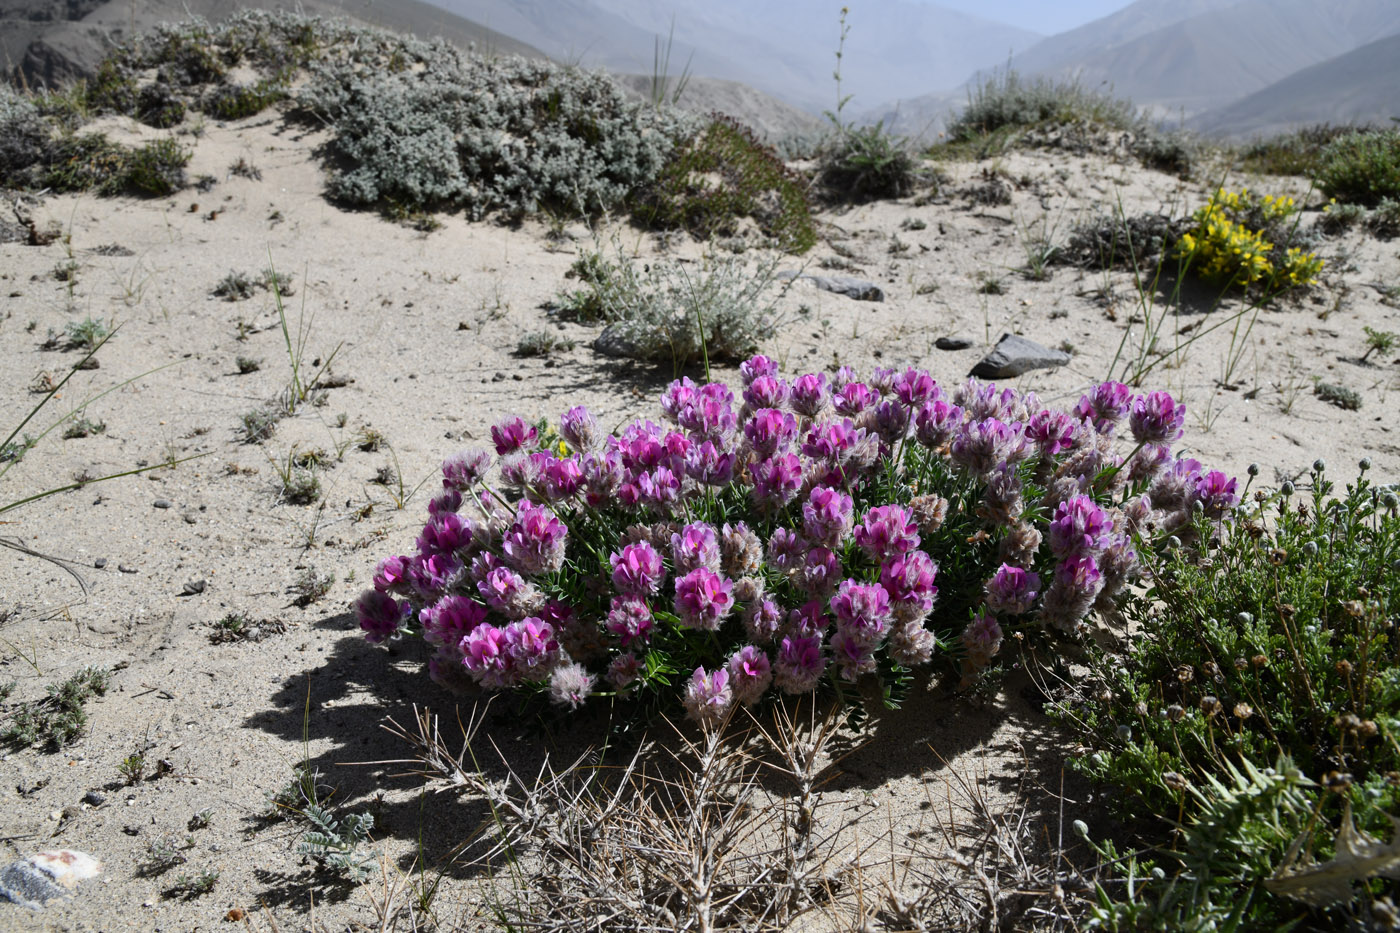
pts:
pixel 1362 86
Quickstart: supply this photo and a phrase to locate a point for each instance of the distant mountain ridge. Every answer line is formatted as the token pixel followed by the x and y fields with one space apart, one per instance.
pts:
pixel 1362 86
pixel 782 47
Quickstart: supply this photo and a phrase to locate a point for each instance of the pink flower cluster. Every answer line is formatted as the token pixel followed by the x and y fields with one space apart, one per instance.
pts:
pixel 782 537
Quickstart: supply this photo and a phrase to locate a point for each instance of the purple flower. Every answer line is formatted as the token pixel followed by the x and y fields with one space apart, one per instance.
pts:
pixel 762 620
pixel 750 673
pixel 1176 485
pixel 766 392
pixel 640 446
pixel 1216 492
pixel 1080 526
pixel 741 551
pixel 891 421
pixel 562 478
pixel 391 576
pixel 810 618
pixel 776 480
pixel 882 380
pixel 827 516
pixel 769 430
pixel 695 545
pixel 984 400
pixel 659 487
pixel 449 500
pixel 862 610
pixel 579 428
pixel 380 615
pixel 1002 503
pixel 757 366
pixel 852 655
pixel 800 664
pixel 624 670
pixel 708 696
pixel 1071 594
pixel 428 576
pixel 1079 573
pixel 569 685
pixel 465 469
pixel 637 569
pixel 506 592
pixel 532 645
pixel 1050 431
pixel 821 570
pixel 710 415
pixel 709 465
pixel 445 533
pixel 810 395
pixel 935 422
pixel 980 446
pixel 853 398
pixel 703 599
pixel 887 531
pixel 525 470
pixel 451 619
pixel 535 542
pixel 787 550
pixel 677 396
pixel 909 581
pixel 1105 405
pixel 1011 590
pixel 982 639
pixel 512 435
pixel 486 656
pixel 1156 418
pixel 830 440
pixel 914 387
pixel 602 474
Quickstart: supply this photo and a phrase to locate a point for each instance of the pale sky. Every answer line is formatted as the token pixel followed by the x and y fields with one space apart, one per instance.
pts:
pixel 1045 16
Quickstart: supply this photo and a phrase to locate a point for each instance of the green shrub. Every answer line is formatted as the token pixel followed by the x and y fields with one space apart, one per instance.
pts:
pixel 1270 635
pixel 59 717
pixel 1005 100
pixel 868 163
pixel 85 162
pixel 158 105
pixel 1361 168
pixel 24 136
pixel 664 311
pixel 1296 153
pixel 418 125
pixel 1243 240
pixel 158 167
pixel 112 89
pixel 723 173
pixel 235 101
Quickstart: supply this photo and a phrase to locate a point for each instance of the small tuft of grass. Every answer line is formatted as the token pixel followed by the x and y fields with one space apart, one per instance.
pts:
pixel 247 364
pixel 259 424
pixel 239 626
pixel 310 587
pixel 83 427
pixel 58 718
pixel 542 343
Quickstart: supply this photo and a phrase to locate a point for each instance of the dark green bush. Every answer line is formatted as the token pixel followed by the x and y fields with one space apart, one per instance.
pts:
pixel 868 163
pixel 234 101
pixel 1296 153
pixel 1361 168
pixel 158 167
pixel 83 163
pixel 158 105
pixel 1273 636
pixel 1006 100
pixel 721 174
pixel 112 89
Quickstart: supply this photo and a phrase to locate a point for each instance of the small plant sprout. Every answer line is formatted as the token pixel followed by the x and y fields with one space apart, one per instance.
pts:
pixel 196 885
pixel 310 587
pixel 247 364
pixel 201 819
pixel 133 768
pixel 1378 341
pixel 86 334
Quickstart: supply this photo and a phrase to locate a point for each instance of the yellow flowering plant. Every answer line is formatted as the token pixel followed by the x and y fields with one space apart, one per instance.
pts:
pixel 1228 245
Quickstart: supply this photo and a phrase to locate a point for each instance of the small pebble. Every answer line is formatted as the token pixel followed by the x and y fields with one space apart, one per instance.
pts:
pixel 131 829
pixel 125 569
pixel 953 343
pixel 94 798
pixel 100 563
pixel 194 587
pixel 191 519
pixel 161 503
pixel 499 377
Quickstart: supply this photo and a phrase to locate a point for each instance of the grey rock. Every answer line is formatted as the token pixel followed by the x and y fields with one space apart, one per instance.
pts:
pixel 858 289
pixel 162 503
pixel 194 587
pixel 100 563
pixel 611 342
pixel 125 569
pixel 953 343
pixel 1015 355
pixel 94 798
pixel 46 876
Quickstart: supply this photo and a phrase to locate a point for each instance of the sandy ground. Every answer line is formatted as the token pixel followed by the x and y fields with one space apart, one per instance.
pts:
pixel 426 326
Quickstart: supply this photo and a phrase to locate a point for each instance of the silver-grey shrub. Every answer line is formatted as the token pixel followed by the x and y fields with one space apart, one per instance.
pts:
pixel 420 125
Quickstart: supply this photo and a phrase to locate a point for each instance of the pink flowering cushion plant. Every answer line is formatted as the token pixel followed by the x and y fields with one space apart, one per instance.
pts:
pixel 800 534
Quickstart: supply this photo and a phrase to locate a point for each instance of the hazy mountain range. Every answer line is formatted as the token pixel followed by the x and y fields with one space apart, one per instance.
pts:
pixel 1232 67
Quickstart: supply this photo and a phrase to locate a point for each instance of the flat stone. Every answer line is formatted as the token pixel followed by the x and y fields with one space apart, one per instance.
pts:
pixel 612 343
pixel 125 569
pixel 857 289
pixel 1015 355
pixel 46 876
pixel 953 343
pixel 194 587
pixel 100 563
pixel 162 503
